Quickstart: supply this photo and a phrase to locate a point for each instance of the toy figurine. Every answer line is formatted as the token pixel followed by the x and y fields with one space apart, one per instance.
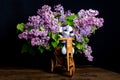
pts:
pixel 66 32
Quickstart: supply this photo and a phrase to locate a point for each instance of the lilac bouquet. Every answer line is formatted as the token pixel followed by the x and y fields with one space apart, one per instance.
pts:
pixel 43 30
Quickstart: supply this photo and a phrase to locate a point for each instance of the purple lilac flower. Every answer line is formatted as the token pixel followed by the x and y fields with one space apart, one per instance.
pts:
pixel 90 58
pixel 68 13
pixel 62 18
pixel 59 8
pixel 35 41
pixel 76 23
pixel 87 13
pixel 23 35
pixel 92 12
pixel 35 20
pixel 54 26
pixel 82 13
pixel 88 52
pixel 87 18
pixel 44 9
pixel 37 32
pixel 28 24
pixel 79 38
pixel 86 31
pixel 20 36
pixel 43 33
pixel 31 32
pixel 86 21
pixel 98 22
pixel 50 23
pixel 45 41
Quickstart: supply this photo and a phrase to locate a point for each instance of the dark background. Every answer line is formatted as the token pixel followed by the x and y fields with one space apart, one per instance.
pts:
pixel 105 43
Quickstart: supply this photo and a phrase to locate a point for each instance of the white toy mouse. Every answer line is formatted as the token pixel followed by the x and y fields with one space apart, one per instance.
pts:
pixel 66 32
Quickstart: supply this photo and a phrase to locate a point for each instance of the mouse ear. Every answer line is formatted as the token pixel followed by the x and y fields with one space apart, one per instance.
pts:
pixel 70 29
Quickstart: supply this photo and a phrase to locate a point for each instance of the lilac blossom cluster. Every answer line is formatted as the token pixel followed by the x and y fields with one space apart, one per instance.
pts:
pixel 84 25
pixel 40 26
pixel 46 21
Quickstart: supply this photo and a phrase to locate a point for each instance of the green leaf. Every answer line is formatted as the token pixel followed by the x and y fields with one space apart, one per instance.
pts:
pixel 71 23
pixel 71 17
pixel 50 34
pixel 27 49
pixel 55 43
pixel 78 46
pixel 17 31
pixel 60 23
pixel 41 28
pixel 86 39
pixel 21 27
pixel 24 48
pixel 48 48
pixel 55 37
pixel 41 49
pixel 83 49
pixel 57 16
pixel 60 45
pixel 94 28
pixel 69 20
pixel 29 28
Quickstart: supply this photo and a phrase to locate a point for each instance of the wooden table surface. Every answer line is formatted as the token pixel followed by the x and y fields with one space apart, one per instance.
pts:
pixel 83 72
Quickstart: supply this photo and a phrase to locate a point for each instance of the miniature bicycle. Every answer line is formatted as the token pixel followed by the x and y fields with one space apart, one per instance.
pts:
pixel 67 61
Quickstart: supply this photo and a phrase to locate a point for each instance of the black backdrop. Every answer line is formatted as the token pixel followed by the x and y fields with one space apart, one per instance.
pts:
pixel 105 43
